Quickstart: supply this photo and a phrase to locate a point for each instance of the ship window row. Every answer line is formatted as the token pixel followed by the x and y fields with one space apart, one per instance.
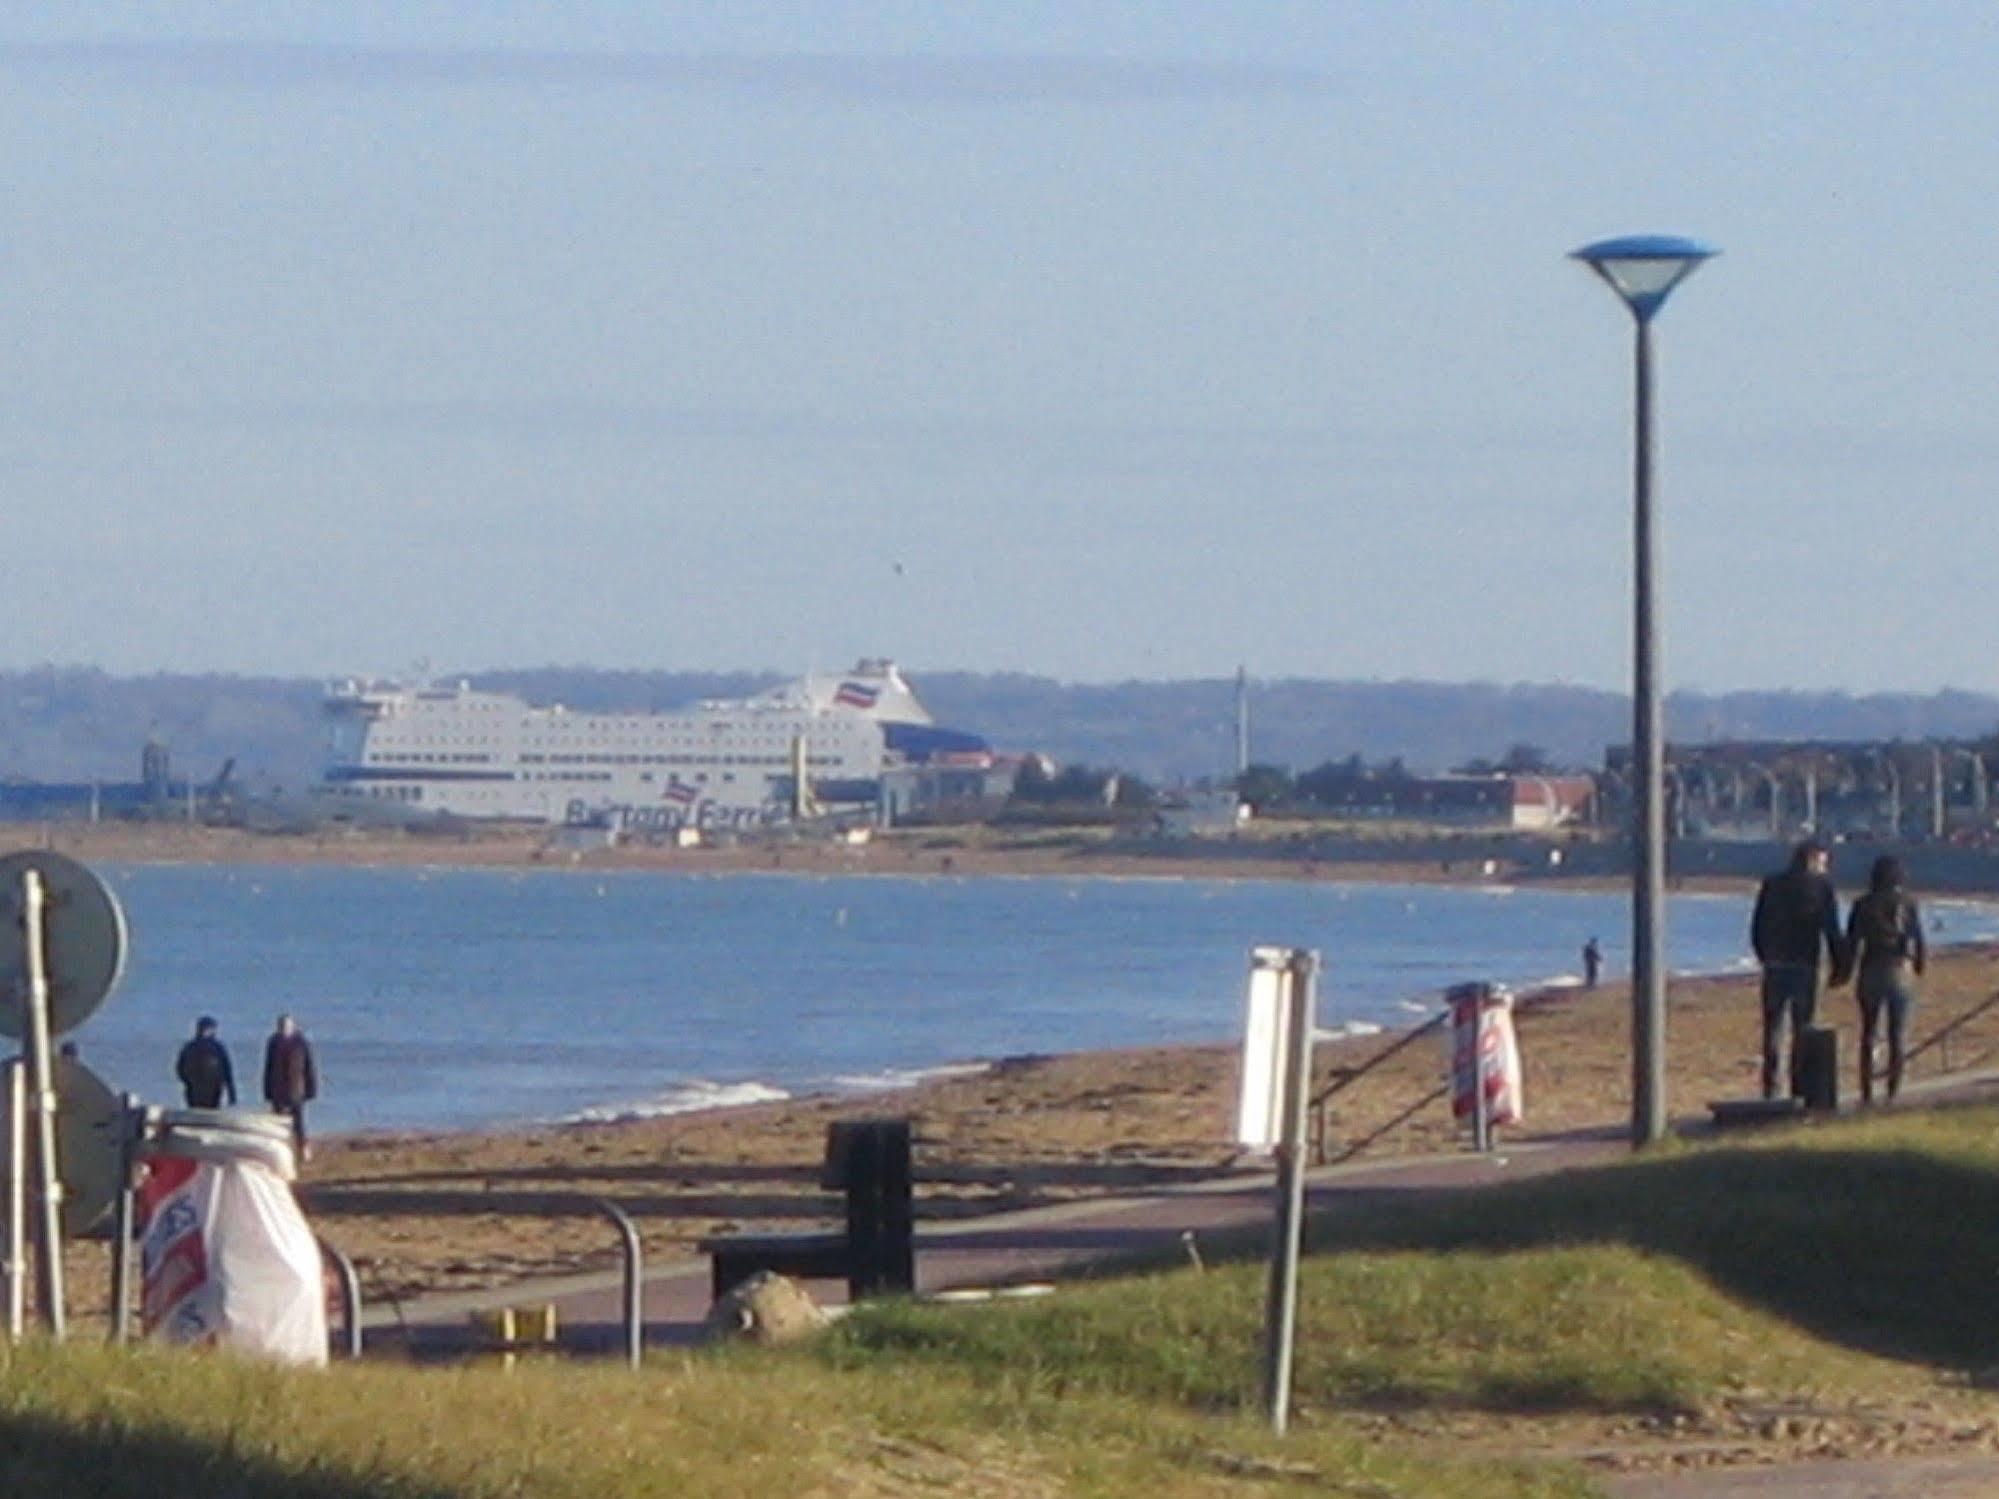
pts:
pixel 396 759
pixel 656 740
pixel 777 760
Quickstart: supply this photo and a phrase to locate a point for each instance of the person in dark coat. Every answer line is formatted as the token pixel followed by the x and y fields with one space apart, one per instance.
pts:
pixel 206 1078
pixel 1884 938
pixel 1797 915
pixel 290 1079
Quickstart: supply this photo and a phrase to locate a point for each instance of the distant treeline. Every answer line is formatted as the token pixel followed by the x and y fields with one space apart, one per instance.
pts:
pixel 78 723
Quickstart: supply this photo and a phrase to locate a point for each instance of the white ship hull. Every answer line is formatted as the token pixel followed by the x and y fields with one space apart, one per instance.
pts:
pixel 456 752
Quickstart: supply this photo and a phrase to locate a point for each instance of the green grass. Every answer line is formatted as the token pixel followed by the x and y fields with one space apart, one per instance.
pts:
pixel 1800 1263
pixel 108 1424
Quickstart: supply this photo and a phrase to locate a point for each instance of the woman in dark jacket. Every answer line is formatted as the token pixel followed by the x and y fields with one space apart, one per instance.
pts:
pixel 1884 943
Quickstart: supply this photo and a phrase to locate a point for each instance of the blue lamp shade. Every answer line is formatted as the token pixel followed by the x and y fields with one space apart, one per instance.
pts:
pixel 1644 268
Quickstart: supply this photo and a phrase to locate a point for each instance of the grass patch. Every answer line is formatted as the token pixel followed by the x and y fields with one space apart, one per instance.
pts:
pixel 98 1423
pixel 1797 1263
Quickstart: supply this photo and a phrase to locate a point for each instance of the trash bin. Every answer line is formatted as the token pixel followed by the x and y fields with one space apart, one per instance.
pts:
pixel 1485 1057
pixel 227 1259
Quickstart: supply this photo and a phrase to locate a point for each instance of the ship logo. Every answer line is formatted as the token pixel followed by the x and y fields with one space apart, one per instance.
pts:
pixel 857 695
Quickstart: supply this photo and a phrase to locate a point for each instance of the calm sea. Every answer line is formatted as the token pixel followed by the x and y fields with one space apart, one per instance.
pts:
pixel 466 997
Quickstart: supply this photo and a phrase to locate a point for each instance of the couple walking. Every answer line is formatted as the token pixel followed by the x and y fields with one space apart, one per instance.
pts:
pixel 291 1079
pixel 1881 949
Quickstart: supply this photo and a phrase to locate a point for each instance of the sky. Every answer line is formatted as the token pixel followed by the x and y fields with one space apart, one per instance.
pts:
pixel 1097 341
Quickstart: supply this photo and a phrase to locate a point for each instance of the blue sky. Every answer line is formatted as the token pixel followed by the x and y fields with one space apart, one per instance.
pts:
pixel 1099 341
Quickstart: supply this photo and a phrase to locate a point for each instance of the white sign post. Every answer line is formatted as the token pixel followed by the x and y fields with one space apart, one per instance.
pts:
pixel 1276 1085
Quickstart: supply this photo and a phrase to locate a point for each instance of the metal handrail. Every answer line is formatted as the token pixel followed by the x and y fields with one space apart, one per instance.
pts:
pixel 1346 1078
pixel 1441 1090
pixel 634 1287
pixel 350 1296
pixel 1940 1038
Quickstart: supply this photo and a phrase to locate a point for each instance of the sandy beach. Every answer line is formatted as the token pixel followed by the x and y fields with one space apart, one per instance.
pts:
pixel 953 851
pixel 438 1211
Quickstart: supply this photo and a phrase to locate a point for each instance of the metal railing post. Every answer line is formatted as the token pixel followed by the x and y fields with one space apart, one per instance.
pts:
pixel 350 1297
pixel 16 1266
pixel 634 1287
pixel 131 1122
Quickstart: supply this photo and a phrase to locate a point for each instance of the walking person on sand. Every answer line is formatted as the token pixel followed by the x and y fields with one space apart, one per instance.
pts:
pixel 1884 940
pixel 1797 914
pixel 206 1078
pixel 290 1079
pixel 1592 963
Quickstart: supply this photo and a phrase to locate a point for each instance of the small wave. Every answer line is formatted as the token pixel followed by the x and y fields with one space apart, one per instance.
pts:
pixel 1345 1029
pixel 891 1078
pixel 685 1099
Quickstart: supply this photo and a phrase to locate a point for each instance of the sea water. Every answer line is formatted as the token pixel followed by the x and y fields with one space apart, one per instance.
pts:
pixel 450 997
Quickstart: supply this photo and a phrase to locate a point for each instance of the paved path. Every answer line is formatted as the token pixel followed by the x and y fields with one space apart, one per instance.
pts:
pixel 1893 1478
pixel 1042 1243
pixel 1005 1248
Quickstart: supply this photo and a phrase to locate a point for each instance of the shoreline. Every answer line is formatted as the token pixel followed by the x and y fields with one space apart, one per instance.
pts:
pixel 914 853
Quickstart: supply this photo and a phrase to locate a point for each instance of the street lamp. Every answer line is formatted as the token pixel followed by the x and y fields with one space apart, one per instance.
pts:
pixel 1643 269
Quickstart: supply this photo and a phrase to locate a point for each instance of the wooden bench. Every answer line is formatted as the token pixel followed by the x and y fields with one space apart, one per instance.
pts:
pixel 869 1161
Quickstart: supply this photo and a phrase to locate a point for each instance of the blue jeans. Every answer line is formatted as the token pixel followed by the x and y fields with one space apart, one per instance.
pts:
pixel 1886 986
pixel 1789 990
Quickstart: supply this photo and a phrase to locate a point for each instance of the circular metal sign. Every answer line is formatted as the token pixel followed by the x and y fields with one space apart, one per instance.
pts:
pixel 88 1118
pixel 84 946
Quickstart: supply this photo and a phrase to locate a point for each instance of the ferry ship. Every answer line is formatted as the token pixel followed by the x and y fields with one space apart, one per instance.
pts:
pixel 820 743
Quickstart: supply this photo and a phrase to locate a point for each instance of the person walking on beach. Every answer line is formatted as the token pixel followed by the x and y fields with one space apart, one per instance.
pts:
pixel 290 1079
pixel 1797 913
pixel 206 1078
pixel 1884 938
pixel 1592 963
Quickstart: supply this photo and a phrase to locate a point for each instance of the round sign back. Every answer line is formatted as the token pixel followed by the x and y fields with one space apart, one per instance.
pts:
pixel 84 947
pixel 88 1118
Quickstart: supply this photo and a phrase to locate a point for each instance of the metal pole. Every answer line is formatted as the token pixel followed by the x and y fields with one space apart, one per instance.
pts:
pixel 1936 793
pixel 42 1099
pixel 1481 1108
pixel 1281 1314
pixel 635 1339
pixel 131 1121
pixel 350 1297
pixel 17 1198
pixel 1648 876
pixel 1241 723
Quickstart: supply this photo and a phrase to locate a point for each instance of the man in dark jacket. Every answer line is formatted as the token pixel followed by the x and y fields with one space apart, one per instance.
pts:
pixel 1797 914
pixel 290 1079
pixel 206 1077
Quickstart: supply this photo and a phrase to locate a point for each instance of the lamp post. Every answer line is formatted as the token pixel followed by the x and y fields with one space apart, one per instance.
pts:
pixel 1643 269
